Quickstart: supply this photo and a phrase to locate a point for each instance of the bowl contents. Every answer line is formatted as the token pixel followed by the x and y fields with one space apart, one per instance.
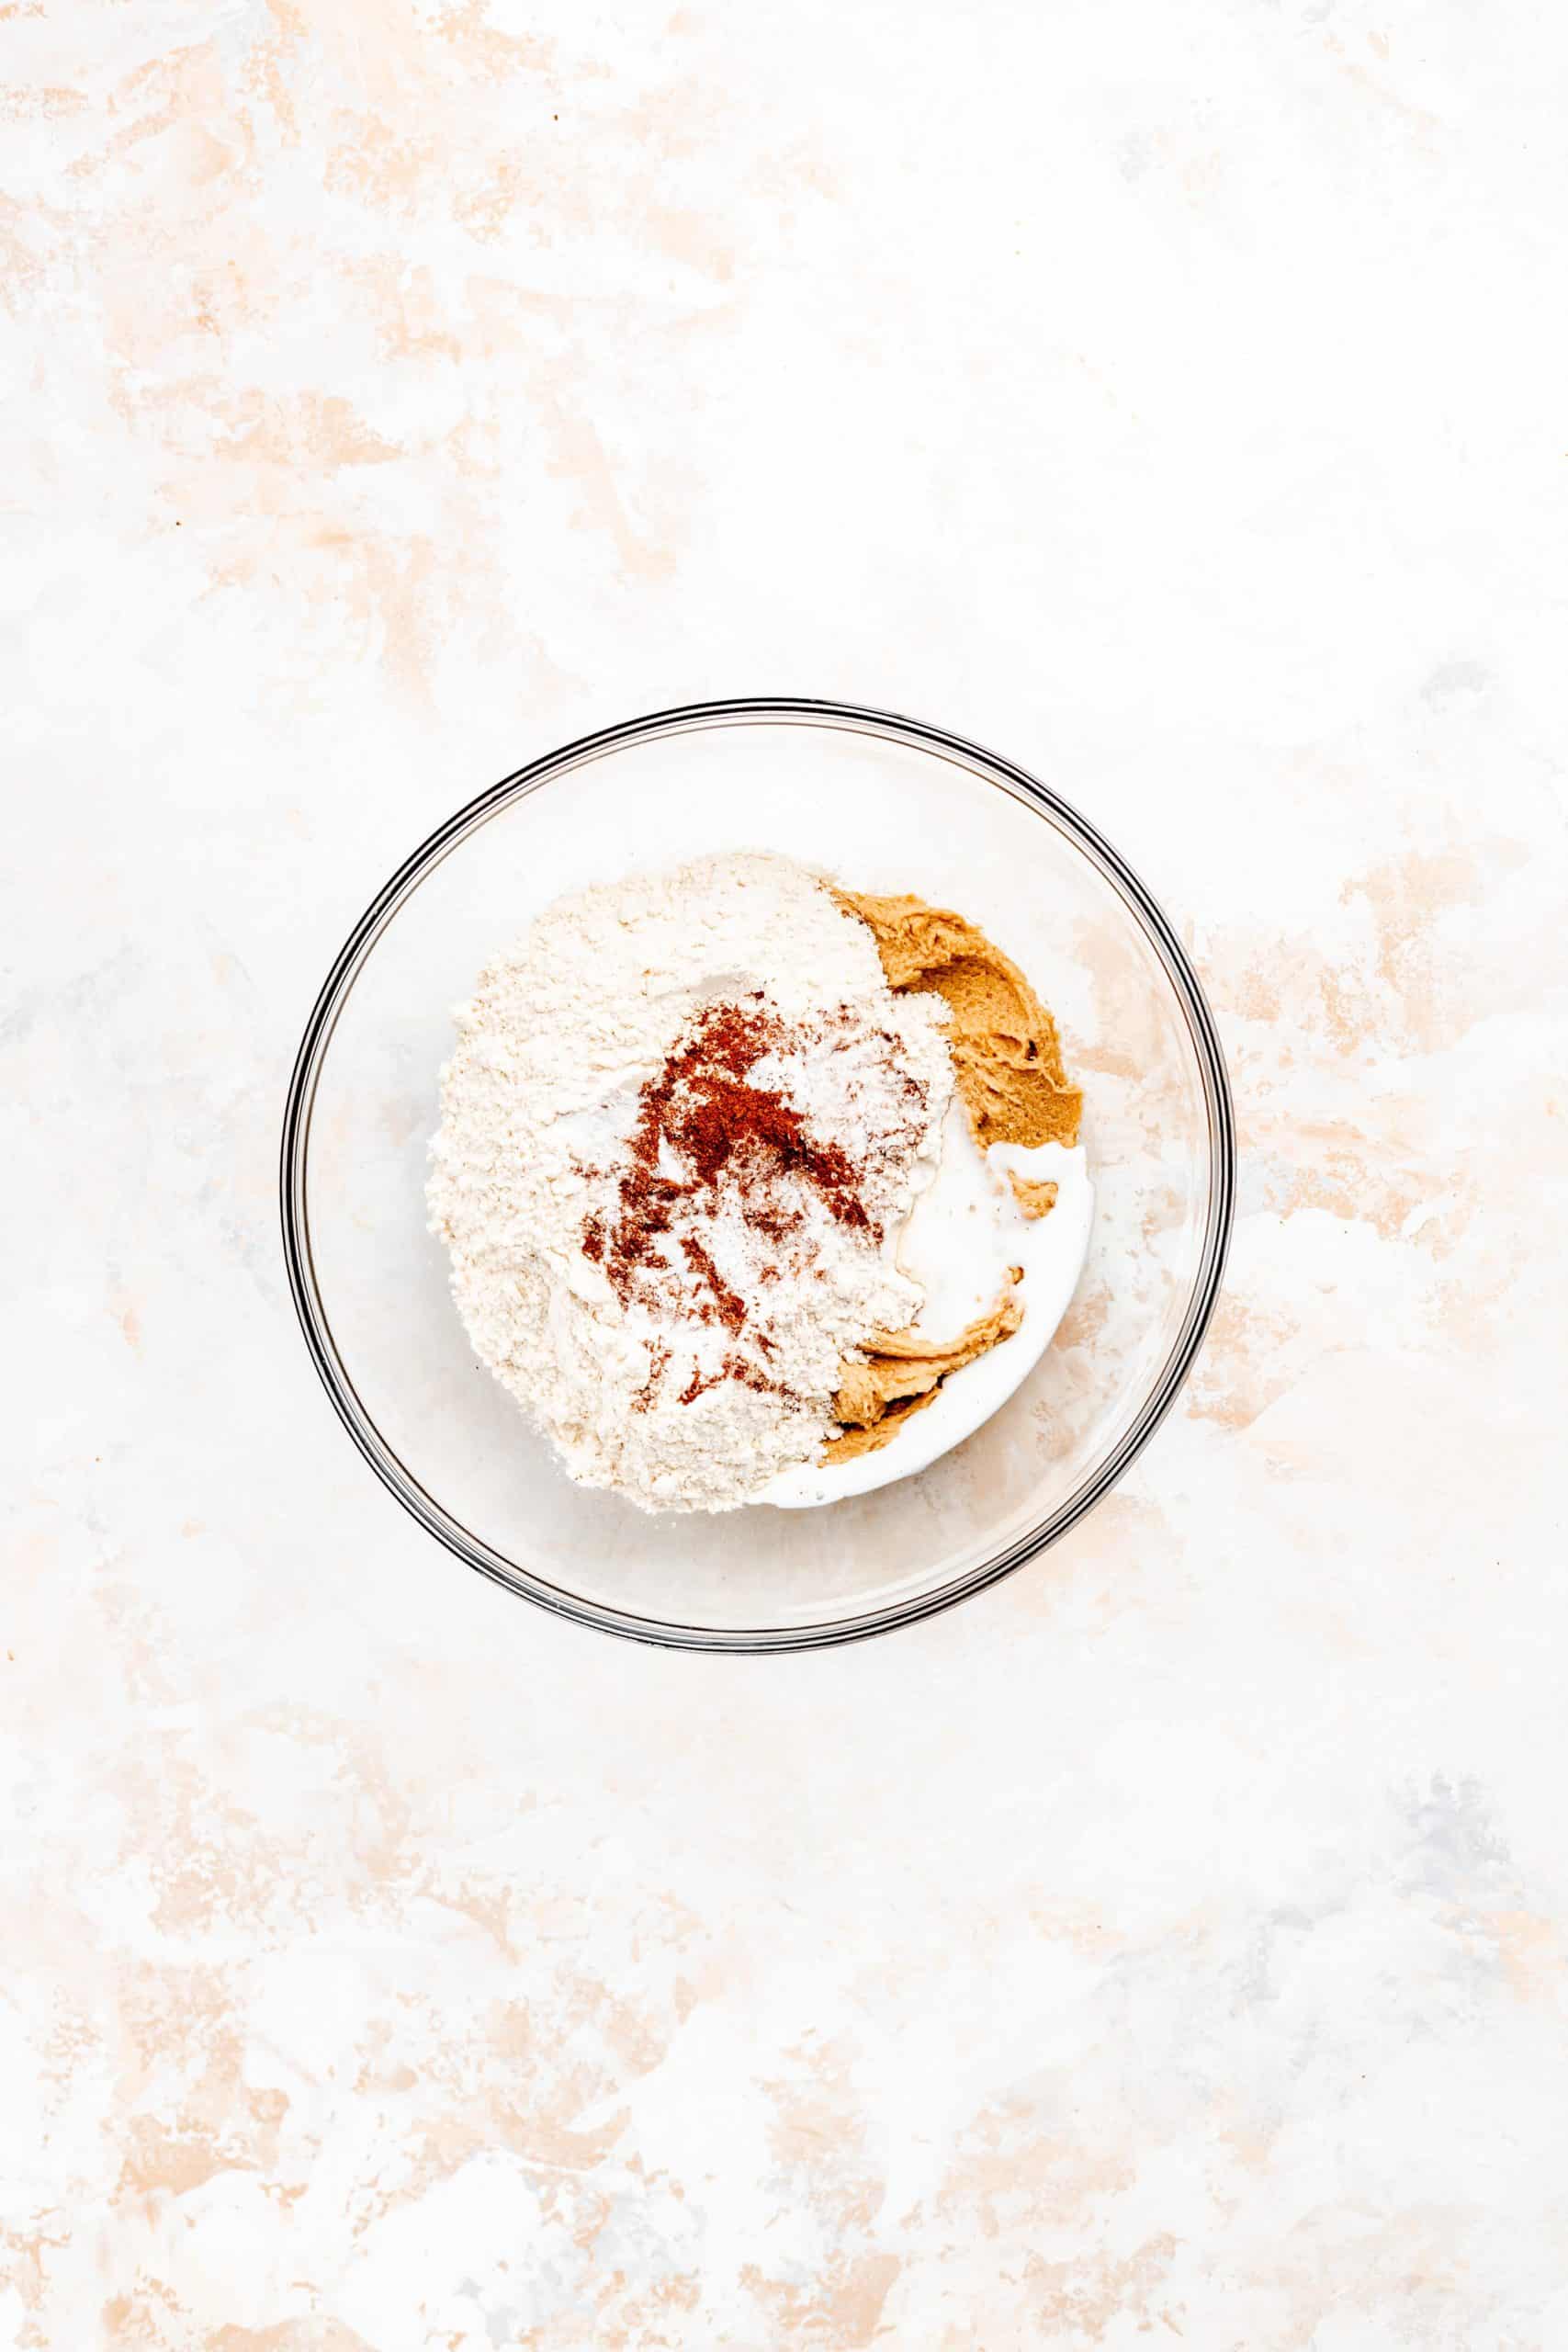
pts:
pixel 756 1189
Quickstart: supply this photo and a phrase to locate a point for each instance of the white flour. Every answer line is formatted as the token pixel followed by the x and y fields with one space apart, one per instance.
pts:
pixel 685 1366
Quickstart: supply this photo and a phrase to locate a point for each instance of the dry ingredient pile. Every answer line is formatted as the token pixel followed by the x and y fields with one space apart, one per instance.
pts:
pixel 691 1124
pixel 684 1122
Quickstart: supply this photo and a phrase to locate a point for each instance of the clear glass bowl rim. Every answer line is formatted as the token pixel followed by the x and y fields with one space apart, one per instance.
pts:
pixel 782 709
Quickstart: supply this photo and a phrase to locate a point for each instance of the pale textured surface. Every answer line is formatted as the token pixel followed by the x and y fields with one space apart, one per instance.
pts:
pixel 1172 1942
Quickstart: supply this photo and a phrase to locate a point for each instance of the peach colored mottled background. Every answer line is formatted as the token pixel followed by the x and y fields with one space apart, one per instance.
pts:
pixel 1174 1942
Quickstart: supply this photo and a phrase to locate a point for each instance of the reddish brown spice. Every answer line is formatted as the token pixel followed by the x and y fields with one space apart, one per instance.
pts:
pixel 703 1103
pixel 739 1367
pixel 729 1304
pixel 735 1367
pixel 721 1128
pixel 777 1224
pixel 657 1361
pixel 705 1116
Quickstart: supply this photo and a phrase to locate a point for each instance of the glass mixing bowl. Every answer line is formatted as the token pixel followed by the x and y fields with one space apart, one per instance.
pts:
pixel 886 805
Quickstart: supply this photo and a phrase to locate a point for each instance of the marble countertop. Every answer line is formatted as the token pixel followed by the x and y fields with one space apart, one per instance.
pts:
pixel 1174 1941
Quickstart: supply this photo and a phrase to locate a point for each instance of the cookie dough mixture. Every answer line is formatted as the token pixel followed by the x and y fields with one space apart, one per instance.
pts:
pixel 720 1149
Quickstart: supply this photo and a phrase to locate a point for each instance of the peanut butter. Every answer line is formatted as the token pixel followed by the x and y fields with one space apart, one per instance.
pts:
pixel 902 1373
pixel 1007 1062
pixel 1006 1056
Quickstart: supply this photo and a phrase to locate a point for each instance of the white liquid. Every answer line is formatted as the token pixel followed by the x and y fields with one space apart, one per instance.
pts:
pixel 965 1231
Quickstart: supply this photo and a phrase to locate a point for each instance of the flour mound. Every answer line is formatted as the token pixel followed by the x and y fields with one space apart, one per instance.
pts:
pixel 682 1128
